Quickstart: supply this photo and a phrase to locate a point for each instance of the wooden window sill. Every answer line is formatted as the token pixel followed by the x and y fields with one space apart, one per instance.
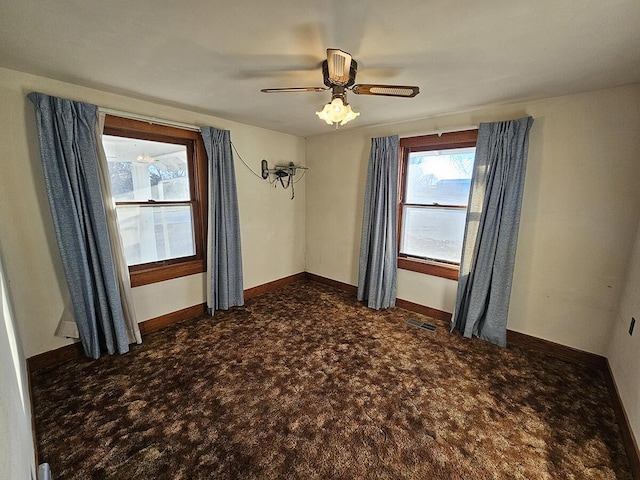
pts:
pixel 430 268
pixel 166 272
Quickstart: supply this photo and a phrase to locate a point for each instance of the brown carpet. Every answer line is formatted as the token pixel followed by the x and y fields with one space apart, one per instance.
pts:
pixel 306 383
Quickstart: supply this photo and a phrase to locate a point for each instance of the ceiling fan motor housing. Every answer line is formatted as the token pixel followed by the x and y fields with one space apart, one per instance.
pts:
pixel 352 74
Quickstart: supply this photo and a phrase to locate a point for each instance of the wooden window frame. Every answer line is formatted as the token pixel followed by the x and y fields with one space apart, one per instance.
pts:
pixel 153 272
pixel 425 143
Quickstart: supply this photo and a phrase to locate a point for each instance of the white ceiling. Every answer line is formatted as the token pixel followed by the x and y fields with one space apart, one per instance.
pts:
pixel 215 56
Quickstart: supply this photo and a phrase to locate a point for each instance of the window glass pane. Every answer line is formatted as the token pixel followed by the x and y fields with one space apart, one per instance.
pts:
pixel 433 232
pixel 142 170
pixel 156 233
pixel 440 176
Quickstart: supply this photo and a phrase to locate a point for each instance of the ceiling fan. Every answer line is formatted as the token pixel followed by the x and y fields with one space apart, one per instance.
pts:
pixel 339 73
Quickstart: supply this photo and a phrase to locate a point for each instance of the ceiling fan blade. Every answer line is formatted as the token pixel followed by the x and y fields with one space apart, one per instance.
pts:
pixel 293 89
pixel 338 66
pixel 386 90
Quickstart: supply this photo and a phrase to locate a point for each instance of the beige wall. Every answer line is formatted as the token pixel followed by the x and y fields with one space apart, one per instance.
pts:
pixel 624 349
pixel 580 210
pixel 272 225
pixel 17 455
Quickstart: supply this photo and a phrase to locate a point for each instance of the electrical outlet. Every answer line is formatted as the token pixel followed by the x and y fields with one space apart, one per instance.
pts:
pixel 633 324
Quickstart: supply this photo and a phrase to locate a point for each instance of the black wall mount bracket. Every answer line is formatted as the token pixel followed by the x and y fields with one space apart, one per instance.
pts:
pixel 280 170
pixel 282 173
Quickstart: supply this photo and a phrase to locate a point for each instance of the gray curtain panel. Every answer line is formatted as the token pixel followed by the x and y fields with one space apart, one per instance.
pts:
pixel 491 232
pixel 377 279
pixel 66 132
pixel 225 252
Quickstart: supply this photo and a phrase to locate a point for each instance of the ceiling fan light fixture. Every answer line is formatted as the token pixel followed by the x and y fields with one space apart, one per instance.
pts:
pixel 337 111
pixel 349 115
pixel 339 75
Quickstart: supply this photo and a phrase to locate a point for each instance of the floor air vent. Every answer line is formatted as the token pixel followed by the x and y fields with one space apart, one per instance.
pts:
pixel 414 322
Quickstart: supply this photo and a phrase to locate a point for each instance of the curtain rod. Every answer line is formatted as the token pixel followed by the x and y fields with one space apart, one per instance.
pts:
pixel 145 118
pixel 440 131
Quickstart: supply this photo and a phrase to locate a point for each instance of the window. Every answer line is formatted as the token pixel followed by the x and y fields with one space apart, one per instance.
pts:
pixel 435 177
pixel 158 183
